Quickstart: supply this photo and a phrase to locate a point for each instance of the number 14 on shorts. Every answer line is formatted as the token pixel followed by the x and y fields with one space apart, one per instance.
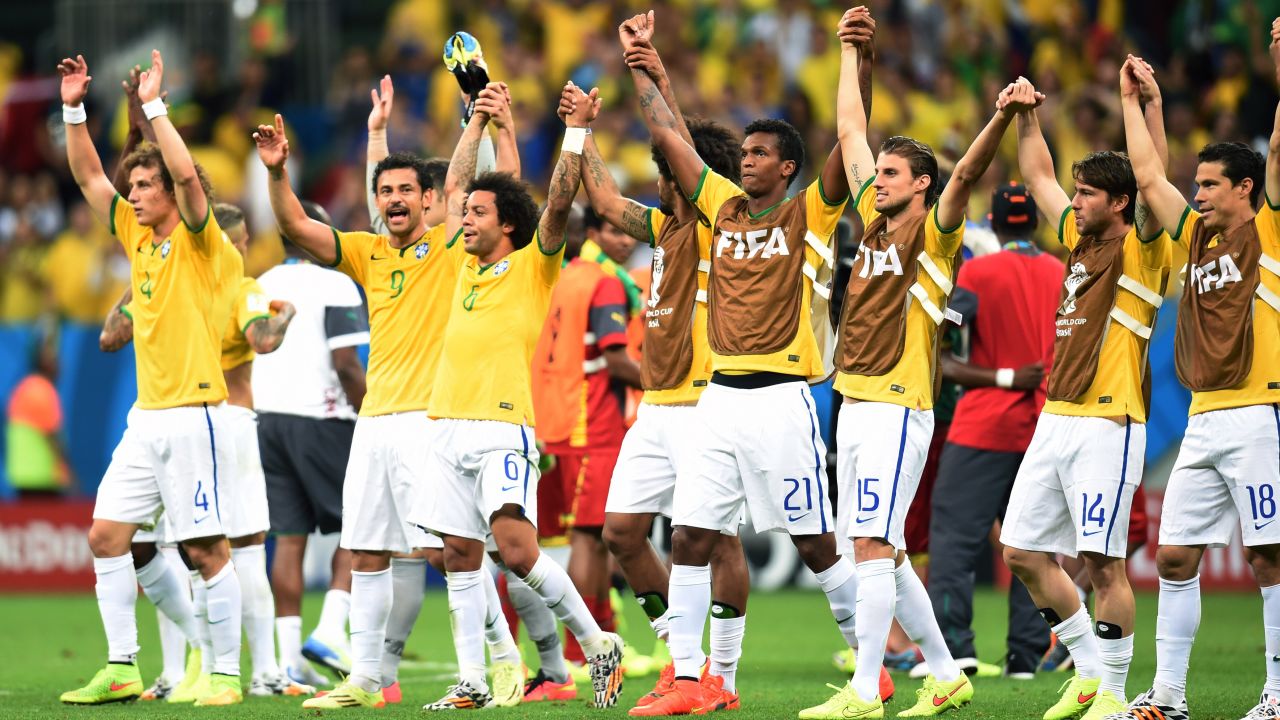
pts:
pixel 1092 513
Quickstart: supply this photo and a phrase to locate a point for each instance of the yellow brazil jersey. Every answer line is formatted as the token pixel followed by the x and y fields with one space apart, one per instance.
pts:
pixel 408 292
pixel 177 309
pixel 1122 359
pixel 700 370
pixel 496 316
pixel 910 382
pixel 1257 387
pixel 249 304
pixel 802 355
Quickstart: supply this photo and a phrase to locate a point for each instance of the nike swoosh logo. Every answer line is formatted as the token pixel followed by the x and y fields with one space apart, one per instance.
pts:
pixel 508 488
pixel 861 520
pixel 940 700
pixel 116 687
pixel 793 518
pixel 375 257
pixel 197 522
pixel 1090 534
pixel 1082 698
pixel 1256 526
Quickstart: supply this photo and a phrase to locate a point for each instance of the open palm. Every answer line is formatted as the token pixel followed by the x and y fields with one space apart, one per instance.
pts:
pixel 273 147
pixel 75 80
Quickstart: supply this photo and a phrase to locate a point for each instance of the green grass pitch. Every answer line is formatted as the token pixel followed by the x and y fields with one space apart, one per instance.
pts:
pixel 55 643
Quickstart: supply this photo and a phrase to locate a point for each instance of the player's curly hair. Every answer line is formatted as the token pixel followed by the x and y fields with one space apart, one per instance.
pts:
pixel 1239 161
pixel 515 206
pixel 401 160
pixel 1110 171
pixel 716 144
pixel 790 143
pixel 148 155
pixel 228 215
pixel 920 159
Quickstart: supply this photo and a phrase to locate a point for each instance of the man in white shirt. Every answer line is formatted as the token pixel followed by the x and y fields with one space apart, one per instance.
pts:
pixel 307 395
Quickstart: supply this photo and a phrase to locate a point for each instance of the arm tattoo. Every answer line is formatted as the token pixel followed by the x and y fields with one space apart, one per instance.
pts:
pixel 600 176
pixel 463 164
pixel 117 331
pixel 266 334
pixel 564 186
pixel 1140 216
pixel 635 221
pixel 652 106
pixel 855 177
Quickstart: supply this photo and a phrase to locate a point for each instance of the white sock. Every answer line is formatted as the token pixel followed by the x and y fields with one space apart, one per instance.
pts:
pixel 497 633
pixel 225 600
pixel 552 584
pixel 840 583
pixel 877 597
pixel 173 649
pixel 200 608
pixel 1177 619
pixel 1271 632
pixel 117 590
pixel 1076 632
pixel 726 648
pixel 688 600
pixel 1114 657
pixel 466 616
pixel 408 586
pixel 168 591
pixel 540 623
pixel 370 606
pixel 258 608
pixel 289 637
pixel 662 625
pixel 914 612
pixel 333 615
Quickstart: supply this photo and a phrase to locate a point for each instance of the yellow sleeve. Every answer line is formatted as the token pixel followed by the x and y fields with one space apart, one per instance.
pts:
pixel 1067 233
pixel 821 214
pixel 1182 233
pixel 206 236
pixel 252 304
pixel 1269 228
pixel 548 264
pixel 1156 252
pixel 865 202
pixel 939 240
pixel 124 221
pixel 713 191
pixel 656 220
pixel 352 249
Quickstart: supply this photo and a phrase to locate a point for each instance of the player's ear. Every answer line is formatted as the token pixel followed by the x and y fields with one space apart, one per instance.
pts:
pixel 789 169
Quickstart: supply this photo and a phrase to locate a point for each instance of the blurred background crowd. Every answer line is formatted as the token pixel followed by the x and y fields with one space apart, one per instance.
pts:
pixel 230 64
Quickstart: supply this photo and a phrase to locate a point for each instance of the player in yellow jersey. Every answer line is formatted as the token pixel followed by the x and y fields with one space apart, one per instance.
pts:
pixel 485 458
pixel 887 370
pixel 1075 487
pixel 768 329
pixel 662 445
pixel 256 325
pixel 1227 352
pixel 177 438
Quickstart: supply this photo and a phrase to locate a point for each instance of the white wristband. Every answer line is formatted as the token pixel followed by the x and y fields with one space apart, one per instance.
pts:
pixel 574 139
pixel 1004 377
pixel 74 114
pixel 154 109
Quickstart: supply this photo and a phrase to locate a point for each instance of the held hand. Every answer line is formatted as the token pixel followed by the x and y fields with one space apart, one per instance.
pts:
pixel 382 102
pixel 644 57
pixel 149 80
pixel 1129 85
pixel 494 101
pixel 75 80
pixel 856 28
pixel 1021 97
pixel 1145 75
pixel 1028 377
pixel 585 106
pixel 637 29
pixel 283 307
pixel 273 147
pixel 568 102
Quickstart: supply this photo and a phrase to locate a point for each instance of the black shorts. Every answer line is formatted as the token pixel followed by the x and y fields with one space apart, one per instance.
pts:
pixel 304 460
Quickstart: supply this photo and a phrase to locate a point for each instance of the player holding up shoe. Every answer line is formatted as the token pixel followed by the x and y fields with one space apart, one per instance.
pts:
pixel 888 374
pixel 1076 484
pixel 177 435
pixel 1227 349
pixel 769 333
pixel 484 456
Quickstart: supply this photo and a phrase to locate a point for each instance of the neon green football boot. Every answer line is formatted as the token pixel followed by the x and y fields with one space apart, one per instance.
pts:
pixel 114 683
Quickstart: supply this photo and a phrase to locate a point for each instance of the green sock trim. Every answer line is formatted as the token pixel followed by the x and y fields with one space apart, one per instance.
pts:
pixel 724 611
pixel 654 604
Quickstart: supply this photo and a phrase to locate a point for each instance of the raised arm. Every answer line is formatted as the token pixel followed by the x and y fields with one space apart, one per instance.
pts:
pixel 1273 146
pixel 1153 115
pixel 86 168
pixel 643 56
pixel 851 116
pixel 383 98
pixel 955 196
pixel 316 238
pixel 1036 164
pixel 117 331
pixel 266 334
pixel 685 164
pixel 139 130
pixel 567 173
pixel 462 167
pixel 504 124
pixel 1166 203
pixel 602 192
pixel 193 205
